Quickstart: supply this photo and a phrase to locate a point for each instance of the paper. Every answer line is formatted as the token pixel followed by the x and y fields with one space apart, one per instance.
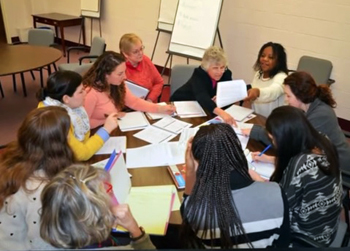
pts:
pixel 155 135
pixel 133 121
pixel 264 169
pixel 188 109
pixel 151 206
pixel 113 143
pixel 186 135
pixel 229 92
pixel 153 116
pixel 239 113
pixel 172 125
pixel 137 90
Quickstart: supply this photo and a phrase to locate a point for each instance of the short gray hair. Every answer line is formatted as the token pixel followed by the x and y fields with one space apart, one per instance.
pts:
pixel 212 56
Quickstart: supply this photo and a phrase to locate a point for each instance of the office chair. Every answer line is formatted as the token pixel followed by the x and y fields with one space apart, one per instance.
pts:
pixel 82 69
pixel 319 69
pixel 180 74
pixel 98 46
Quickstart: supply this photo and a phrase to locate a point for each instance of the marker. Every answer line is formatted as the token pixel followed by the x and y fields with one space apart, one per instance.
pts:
pixel 263 151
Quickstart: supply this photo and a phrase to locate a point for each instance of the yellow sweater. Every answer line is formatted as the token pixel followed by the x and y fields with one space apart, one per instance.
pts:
pixel 83 150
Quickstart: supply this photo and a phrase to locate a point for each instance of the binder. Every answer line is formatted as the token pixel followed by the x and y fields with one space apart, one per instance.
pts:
pixel 137 90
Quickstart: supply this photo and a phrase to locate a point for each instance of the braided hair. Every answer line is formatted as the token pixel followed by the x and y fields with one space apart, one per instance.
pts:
pixel 211 205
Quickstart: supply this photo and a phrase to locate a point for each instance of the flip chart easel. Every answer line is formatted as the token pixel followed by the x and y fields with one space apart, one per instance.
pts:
pixel 91 9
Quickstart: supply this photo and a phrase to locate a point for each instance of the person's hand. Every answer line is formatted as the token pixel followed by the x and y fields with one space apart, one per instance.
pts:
pixel 191 163
pixel 214 99
pixel 253 94
pixel 246 131
pixel 227 118
pixel 125 219
pixel 255 176
pixel 111 122
pixel 168 109
pixel 262 158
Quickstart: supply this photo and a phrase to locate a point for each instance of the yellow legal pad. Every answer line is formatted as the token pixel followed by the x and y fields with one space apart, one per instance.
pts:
pixel 151 206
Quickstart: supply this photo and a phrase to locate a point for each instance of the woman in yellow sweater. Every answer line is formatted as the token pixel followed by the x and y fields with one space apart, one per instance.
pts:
pixel 64 89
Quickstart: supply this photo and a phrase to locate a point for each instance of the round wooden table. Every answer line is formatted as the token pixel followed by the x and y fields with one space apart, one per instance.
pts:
pixel 22 58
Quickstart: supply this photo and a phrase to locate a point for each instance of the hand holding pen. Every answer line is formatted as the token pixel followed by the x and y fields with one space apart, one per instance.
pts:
pixel 256 156
pixel 111 122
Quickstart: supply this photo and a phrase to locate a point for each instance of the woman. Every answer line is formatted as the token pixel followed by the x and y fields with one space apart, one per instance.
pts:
pixel 82 189
pixel 317 103
pixel 215 207
pixel 203 83
pixel 267 86
pixel 139 68
pixel 307 168
pixel 40 152
pixel 64 89
pixel 107 93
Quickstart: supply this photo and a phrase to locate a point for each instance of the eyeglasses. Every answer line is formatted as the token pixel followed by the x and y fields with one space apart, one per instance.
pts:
pixel 108 186
pixel 135 52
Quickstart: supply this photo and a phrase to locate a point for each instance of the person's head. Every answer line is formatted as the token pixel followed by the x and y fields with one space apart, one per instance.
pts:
pixel 214 62
pixel 42 144
pixel 292 134
pixel 221 160
pixel 64 86
pixel 76 208
pixel 107 74
pixel 271 60
pixel 301 89
pixel 130 45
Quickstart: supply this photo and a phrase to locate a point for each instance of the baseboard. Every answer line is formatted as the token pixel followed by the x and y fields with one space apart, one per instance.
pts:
pixel 345 126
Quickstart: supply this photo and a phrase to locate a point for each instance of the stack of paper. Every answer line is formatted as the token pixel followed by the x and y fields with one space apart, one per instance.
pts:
pixel 229 92
pixel 189 109
pixel 239 113
pixel 133 121
pixel 113 143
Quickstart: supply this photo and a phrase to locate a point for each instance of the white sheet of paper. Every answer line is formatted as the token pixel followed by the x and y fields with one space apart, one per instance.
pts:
pixel 264 169
pixel 133 121
pixel 239 113
pixel 113 143
pixel 172 125
pixel 155 135
pixel 185 135
pixel 137 90
pixel 153 116
pixel 188 109
pixel 229 92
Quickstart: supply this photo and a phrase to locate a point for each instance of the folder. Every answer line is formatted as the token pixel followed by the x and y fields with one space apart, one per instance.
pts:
pixel 137 90
pixel 178 175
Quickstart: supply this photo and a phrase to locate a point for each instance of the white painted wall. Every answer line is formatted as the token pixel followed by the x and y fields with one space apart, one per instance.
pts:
pixel 318 28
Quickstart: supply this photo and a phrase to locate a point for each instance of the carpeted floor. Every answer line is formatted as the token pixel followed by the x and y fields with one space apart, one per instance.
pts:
pixel 14 107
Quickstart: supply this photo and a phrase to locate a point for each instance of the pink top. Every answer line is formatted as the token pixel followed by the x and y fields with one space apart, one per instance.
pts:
pixel 97 104
pixel 146 75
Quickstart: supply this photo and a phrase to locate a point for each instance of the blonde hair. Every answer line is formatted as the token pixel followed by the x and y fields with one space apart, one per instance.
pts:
pixel 127 41
pixel 213 56
pixel 76 208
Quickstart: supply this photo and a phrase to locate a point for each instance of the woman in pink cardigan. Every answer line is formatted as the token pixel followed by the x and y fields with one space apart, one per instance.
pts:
pixel 139 68
pixel 107 93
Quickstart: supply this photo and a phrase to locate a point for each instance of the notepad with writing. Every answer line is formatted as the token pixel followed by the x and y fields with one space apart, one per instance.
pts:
pixel 133 121
pixel 137 90
pixel 264 169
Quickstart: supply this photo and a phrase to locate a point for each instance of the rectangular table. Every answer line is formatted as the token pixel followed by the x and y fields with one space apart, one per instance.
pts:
pixel 59 20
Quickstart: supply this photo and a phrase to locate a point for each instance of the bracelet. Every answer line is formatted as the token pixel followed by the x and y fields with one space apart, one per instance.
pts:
pixel 138 237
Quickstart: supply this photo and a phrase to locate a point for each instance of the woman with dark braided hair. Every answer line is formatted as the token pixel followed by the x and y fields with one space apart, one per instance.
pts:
pixel 223 207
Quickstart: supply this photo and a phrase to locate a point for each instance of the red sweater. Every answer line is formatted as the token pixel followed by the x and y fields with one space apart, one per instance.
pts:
pixel 146 75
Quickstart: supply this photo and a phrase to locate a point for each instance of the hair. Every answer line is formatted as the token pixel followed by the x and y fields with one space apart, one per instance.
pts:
pixel 59 84
pixel 127 41
pixel 212 56
pixel 306 90
pixel 219 154
pixel 293 134
pixel 96 77
pixel 41 145
pixel 278 53
pixel 76 208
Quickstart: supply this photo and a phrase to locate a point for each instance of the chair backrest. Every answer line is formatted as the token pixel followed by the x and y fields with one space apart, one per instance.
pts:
pixel 319 69
pixel 82 69
pixel 42 37
pixel 98 46
pixel 180 74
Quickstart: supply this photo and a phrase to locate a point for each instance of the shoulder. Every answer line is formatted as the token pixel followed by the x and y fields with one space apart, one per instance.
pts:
pixel 279 77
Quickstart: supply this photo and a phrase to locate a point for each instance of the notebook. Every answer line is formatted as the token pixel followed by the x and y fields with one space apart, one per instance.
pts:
pixel 133 121
pixel 137 90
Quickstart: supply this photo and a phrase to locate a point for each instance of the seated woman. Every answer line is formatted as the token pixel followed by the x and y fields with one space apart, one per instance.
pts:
pixel 223 207
pixel 64 89
pixel 267 86
pixel 307 168
pixel 40 152
pixel 139 68
pixel 317 102
pixel 203 83
pixel 107 93
pixel 77 211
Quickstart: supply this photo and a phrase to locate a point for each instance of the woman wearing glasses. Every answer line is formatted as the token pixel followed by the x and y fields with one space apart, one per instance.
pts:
pixel 139 68
pixel 202 85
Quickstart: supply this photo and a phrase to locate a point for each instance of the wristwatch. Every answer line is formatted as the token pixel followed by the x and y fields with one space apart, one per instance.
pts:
pixel 138 237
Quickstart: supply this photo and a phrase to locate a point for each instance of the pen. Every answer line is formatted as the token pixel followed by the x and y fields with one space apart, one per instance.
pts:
pixel 263 151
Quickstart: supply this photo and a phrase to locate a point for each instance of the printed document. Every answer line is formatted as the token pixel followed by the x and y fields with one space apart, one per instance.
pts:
pixel 229 92
pixel 113 143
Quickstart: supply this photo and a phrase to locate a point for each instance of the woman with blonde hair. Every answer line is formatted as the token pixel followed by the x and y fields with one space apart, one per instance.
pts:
pixel 139 68
pixel 107 92
pixel 40 152
pixel 203 83
pixel 77 211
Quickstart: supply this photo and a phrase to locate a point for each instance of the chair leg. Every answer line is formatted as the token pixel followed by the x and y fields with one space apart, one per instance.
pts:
pixel 54 66
pixel 14 82
pixel 48 70
pixel 32 73
pixel 1 90
pixel 23 85
pixel 41 77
